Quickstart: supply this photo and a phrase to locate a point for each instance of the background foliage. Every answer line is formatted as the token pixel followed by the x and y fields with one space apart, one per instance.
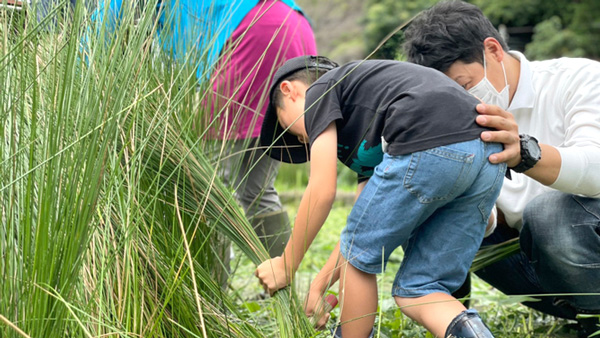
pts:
pixel 543 29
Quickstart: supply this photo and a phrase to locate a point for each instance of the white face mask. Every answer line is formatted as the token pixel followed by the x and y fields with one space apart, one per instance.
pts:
pixel 486 91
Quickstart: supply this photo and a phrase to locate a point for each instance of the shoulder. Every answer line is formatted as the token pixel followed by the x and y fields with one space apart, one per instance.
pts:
pixel 391 71
pixel 387 64
pixel 566 66
pixel 566 76
pixel 327 139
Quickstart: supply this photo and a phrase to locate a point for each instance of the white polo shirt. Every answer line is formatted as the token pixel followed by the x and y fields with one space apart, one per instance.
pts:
pixel 558 102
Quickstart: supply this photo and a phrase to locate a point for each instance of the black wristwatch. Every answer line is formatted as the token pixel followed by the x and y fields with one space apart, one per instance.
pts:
pixel 531 153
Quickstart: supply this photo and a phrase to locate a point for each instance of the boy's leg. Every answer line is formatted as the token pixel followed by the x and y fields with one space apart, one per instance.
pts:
pixel 464 292
pixel 402 201
pixel 440 251
pixel 358 296
pixel 434 311
pixel 444 316
pixel 468 324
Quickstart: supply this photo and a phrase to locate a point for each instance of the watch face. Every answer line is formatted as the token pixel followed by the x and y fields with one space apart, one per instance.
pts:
pixel 534 149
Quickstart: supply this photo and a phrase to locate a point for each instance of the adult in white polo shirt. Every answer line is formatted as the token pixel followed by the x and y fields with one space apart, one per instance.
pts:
pixel 552 202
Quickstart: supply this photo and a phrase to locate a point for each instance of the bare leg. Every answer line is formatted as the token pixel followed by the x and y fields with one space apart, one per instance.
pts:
pixel 434 311
pixel 358 292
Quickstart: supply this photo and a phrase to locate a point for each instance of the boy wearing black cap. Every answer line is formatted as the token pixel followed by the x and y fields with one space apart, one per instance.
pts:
pixel 425 182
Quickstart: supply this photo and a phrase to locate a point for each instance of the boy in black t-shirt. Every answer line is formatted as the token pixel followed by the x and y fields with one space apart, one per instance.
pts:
pixel 425 182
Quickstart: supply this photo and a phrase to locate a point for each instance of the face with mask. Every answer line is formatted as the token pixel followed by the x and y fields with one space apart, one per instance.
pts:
pixel 486 91
pixel 488 83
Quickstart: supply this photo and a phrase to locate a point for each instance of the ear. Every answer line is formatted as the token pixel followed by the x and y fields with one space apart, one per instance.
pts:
pixel 493 49
pixel 286 87
pixel 289 89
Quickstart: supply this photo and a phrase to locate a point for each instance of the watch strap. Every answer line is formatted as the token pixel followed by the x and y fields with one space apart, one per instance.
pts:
pixel 527 160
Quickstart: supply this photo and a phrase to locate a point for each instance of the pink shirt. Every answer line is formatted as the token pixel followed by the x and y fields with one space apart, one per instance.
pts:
pixel 270 34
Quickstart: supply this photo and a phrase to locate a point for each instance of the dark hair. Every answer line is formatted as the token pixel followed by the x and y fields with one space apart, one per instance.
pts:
pixel 449 31
pixel 305 75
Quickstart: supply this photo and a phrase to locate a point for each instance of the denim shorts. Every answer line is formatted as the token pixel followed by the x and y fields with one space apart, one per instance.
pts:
pixel 435 203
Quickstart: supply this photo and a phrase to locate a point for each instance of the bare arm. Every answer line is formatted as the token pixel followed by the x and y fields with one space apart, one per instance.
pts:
pixel 318 197
pixel 314 208
pixel 329 275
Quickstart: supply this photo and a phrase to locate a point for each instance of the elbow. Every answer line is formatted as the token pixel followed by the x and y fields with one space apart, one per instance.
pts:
pixel 328 195
pixel 587 186
pixel 324 190
pixel 594 193
pixel 580 172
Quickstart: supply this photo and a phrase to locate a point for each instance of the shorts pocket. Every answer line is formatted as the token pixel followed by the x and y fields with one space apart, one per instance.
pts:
pixel 438 174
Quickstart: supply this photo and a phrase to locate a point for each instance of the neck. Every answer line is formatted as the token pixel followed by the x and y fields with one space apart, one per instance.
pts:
pixel 513 73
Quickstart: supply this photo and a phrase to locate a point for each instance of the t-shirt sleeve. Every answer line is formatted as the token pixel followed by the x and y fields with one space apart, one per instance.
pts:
pixel 322 106
pixel 361 178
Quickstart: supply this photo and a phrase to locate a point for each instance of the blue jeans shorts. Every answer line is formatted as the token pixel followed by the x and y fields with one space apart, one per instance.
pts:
pixel 436 204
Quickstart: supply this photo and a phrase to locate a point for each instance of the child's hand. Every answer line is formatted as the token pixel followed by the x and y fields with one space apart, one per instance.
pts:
pixel 273 275
pixel 317 309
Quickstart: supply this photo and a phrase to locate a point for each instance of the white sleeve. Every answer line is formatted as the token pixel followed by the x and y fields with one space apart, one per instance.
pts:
pixel 579 172
pixel 580 152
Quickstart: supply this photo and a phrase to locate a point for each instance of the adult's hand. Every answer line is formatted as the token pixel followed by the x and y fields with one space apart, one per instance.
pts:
pixel 507 133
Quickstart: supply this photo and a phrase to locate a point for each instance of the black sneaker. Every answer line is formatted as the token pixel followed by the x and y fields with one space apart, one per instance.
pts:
pixel 468 324
pixel 588 326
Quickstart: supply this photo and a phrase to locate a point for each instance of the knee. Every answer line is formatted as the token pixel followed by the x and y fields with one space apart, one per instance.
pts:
pixel 414 307
pixel 555 223
pixel 402 302
pixel 547 219
pixel 406 306
pixel 545 210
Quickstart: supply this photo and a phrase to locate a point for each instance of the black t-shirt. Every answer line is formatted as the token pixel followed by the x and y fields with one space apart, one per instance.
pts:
pixel 411 107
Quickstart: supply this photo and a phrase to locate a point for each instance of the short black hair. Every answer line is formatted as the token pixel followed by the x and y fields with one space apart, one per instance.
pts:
pixel 449 31
pixel 307 76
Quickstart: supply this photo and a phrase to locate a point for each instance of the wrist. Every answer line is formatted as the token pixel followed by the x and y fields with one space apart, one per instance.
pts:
pixel 286 264
pixel 319 285
pixel 531 153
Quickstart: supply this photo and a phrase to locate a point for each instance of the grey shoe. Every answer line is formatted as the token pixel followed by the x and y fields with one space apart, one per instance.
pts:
pixel 468 324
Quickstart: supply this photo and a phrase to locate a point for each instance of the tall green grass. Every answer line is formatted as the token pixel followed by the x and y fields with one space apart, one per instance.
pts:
pixel 111 208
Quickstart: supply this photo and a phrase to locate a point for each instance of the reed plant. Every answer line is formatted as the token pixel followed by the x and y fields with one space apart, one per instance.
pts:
pixel 111 206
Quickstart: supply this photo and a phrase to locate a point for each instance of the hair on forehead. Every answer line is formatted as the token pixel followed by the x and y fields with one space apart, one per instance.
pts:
pixel 448 32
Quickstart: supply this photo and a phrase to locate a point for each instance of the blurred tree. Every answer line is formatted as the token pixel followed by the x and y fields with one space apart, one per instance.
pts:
pixel 560 27
pixel 525 12
pixel 382 17
pixel 586 25
pixel 550 40
pixel 548 28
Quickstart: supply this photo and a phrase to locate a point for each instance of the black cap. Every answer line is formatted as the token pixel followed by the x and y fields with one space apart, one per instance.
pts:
pixel 282 145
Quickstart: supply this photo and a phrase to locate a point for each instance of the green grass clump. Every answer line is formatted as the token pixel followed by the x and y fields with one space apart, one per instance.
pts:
pixel 113 215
